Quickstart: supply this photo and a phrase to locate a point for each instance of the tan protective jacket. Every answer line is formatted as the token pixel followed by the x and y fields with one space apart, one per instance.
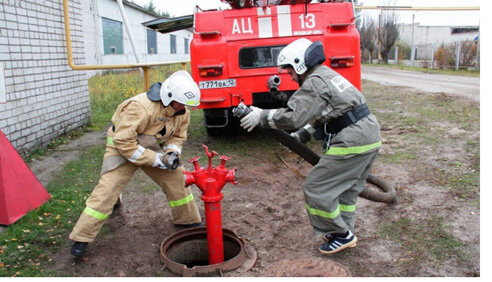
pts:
pixel 141 116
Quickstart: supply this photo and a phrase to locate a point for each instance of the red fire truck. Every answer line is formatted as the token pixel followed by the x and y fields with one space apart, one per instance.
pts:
pixel 234 52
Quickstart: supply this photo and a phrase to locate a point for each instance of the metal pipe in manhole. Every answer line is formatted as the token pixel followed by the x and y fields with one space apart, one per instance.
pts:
pixel 186 253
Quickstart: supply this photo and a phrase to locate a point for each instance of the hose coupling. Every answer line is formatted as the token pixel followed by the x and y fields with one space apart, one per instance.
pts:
pixel 241 110
pixel 171 160
pixel 273 84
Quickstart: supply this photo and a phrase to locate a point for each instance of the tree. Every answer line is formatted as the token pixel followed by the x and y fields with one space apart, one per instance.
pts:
pixel 367 32
pixel 387 33
pixel 153 9
pixel 358 13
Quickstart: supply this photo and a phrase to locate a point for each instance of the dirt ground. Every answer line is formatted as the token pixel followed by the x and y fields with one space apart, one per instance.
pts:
pixel 267 209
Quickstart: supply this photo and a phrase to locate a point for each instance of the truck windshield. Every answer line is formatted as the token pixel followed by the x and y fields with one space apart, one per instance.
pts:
pixel 259 57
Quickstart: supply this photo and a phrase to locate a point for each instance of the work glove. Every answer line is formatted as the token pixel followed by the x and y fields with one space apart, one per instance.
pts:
pixel 302 135
pixel 250 121
pixel 295 135
pixel 158 161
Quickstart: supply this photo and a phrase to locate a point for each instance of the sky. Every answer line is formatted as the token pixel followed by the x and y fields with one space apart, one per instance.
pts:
pixel 186 7
pixel 431 18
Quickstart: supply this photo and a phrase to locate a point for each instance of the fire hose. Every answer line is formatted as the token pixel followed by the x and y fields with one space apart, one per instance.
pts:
pixel 387 193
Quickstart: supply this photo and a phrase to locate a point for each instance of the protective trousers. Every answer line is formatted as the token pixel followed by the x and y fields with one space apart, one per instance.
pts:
pixel 104 196
pixel 331 190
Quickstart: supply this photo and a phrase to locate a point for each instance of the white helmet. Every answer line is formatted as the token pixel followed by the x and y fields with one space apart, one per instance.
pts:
pixel 293 55
pixel 181 88
pixel 301 55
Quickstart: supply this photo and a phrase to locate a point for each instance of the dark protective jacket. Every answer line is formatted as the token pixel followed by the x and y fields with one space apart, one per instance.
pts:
pixel 324 96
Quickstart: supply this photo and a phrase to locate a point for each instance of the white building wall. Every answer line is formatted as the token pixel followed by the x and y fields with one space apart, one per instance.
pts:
pixel 109 9
pixel 44 97
pixel 432 34
pixel 92 51
pixel 428 38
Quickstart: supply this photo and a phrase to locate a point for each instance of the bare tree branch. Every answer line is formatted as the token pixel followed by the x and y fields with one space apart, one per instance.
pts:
pixel 368 34
pixel 388 33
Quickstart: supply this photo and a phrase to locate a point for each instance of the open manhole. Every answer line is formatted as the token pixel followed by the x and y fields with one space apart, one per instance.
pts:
pixel 186 253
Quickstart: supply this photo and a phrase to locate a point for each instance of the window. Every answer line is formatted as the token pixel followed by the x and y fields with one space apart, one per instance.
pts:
pixel 186 46
pixel 173 43
pixel 112 36
pixel 455 30
pixel 151 42
pixel 259 57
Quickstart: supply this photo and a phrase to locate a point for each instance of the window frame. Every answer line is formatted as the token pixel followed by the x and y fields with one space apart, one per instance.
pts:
pixel 172 41
pixel 186 46
pixel 274 60
pixel 150 47
pixel 108 24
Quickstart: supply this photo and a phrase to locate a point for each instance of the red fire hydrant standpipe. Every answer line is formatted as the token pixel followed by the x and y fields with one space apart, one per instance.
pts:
pixel 211 181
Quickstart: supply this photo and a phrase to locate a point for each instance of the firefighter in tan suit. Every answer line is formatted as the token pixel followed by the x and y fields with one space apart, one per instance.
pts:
pixel 147 130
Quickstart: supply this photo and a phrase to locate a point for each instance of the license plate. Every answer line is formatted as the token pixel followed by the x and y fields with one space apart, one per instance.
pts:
pixel 217 83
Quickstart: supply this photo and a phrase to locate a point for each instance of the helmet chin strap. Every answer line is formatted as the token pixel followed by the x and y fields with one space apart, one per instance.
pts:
pixel 180 112
pixel 176 113
pixel 301 78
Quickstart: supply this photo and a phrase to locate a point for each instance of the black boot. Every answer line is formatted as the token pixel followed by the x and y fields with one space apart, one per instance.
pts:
pixel 78 249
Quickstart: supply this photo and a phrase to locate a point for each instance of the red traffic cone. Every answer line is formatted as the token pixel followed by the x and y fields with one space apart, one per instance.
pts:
pixel 20 190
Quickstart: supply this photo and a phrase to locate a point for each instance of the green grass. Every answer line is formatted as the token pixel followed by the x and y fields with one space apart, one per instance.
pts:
pixel 27 247
pixel 419 124
pixel 425 238
pixel 398 157
pixel 247 147
pixel 464 184
pixel 53 144
pixel 473 149
pixel 419 115
pixel 462 72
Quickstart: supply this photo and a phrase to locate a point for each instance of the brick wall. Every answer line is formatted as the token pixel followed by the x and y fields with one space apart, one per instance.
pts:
pixel 44 97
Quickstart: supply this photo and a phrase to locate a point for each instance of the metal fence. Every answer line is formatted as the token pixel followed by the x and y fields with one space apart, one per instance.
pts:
pixel 457 55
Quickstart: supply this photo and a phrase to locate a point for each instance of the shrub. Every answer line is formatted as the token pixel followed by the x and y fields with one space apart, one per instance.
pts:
pixel 468 53
pixel 444 56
